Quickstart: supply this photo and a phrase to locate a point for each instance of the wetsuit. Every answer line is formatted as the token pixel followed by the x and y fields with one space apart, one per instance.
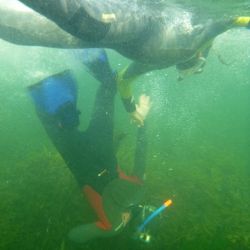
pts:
pixel 160 38
pixel 90 154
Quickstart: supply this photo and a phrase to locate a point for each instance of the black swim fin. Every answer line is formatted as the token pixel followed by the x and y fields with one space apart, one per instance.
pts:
pixel 97 63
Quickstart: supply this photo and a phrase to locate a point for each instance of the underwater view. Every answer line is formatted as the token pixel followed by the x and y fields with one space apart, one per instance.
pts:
pixel 197 131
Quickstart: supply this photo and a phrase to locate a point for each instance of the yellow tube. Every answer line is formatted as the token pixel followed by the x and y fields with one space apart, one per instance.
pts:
pixel 168 203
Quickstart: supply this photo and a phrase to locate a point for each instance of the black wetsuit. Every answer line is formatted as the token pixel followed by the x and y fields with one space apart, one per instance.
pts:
pixel 88 153
pixel 153 38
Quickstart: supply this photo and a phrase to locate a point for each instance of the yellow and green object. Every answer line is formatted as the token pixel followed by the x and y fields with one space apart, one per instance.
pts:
pixel 242 21
pixel 125 89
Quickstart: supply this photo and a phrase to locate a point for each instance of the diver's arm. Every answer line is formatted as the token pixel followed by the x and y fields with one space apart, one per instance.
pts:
pixel 140 153
pixel 128 75
pixel 125 79
pixel 27 27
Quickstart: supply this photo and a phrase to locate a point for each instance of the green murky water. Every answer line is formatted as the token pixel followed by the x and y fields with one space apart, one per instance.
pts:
pixel 198 153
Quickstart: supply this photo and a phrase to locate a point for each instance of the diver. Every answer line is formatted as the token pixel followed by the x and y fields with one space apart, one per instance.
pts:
pixel 90 155
pixel 153 38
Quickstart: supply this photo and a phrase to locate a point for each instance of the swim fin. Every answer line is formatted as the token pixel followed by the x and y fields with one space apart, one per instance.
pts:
pixel 56 96
pixel 97 63
pixel 242 21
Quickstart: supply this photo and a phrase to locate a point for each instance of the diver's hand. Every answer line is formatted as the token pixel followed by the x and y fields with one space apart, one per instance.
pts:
pixel 142 109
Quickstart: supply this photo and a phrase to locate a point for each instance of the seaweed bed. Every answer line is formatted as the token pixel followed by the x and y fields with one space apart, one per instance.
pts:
pixel 40 202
